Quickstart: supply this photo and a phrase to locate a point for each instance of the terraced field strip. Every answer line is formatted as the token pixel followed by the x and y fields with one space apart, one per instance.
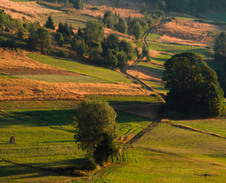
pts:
pixel 191 128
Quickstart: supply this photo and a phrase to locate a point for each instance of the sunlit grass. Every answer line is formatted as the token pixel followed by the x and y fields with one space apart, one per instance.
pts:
pixel 217 126
pixel 104 74
pixel 63 78
pixel 169 154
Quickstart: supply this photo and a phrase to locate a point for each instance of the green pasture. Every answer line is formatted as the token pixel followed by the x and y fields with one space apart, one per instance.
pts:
pixel 159 87
pixel 158 69
pixel 217 126
pixel 169 154
pixel 45 138
pixel 107 75
pixel 74 20
pixel 176 48
pixel 182 16
pixel 127 99
pixel 62 78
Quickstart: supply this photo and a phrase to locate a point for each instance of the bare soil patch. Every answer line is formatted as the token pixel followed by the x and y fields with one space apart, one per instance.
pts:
pixel 16 62
pixel 187 32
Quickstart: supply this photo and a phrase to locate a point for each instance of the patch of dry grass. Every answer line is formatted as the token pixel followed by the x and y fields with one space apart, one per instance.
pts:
pixel 29 10
pixel 24 89
pixel 181 31
pixel 16 62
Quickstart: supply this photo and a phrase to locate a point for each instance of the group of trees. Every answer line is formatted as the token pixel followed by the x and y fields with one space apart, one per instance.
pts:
pixel 133 26
pixel 191 6
pixel 109 51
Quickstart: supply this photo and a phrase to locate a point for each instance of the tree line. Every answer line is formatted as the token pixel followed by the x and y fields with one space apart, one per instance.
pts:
pixel 191 6
pixel 132 26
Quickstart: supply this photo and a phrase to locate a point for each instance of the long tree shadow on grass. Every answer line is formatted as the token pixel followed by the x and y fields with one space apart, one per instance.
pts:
pixel 38 118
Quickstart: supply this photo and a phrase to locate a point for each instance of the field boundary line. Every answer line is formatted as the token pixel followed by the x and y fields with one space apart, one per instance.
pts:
pixel 143 132
pixel 191 128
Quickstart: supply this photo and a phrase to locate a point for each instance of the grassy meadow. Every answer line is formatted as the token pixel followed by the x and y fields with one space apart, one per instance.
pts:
pixel 170 154
pixel 172 48
pixel 45 139
pixel 100 73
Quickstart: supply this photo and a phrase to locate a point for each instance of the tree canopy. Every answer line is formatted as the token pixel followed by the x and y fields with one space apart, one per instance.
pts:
pixel 40 40
pixel 49 23
pixel 193 86
pixel 96 129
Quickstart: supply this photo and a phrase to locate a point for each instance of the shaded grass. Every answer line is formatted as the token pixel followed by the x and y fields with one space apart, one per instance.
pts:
pixel 106 75
pixel 38 105
pixel 152 67
pixel 215 16
pixel 63 78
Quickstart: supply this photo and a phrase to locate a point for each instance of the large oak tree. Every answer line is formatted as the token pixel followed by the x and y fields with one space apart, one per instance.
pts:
pixel 193 86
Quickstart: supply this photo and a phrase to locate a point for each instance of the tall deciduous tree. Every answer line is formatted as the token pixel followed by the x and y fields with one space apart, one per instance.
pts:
pixel 94 34
pixel 193 86
pixel 137 30
pixel 96 129
pixel 109 19
pixel 42 40
pixel 122 26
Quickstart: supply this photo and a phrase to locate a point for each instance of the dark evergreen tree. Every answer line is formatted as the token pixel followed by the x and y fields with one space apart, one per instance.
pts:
pixel 49 23
pixel 137 30
pixel 77 4
pixel 94 34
